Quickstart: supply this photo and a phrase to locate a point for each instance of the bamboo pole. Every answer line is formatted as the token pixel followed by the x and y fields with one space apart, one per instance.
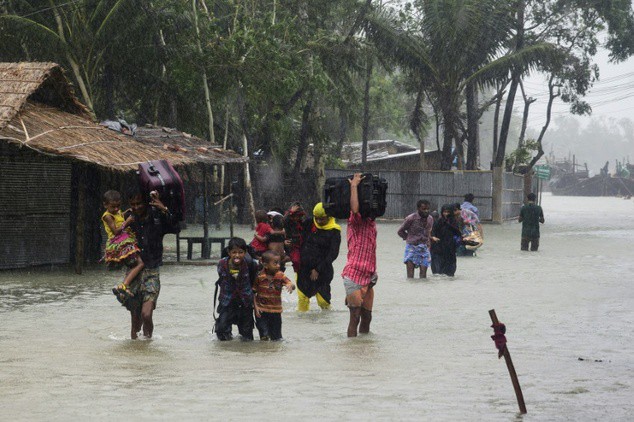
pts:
pixel 509 364
pixel 81 220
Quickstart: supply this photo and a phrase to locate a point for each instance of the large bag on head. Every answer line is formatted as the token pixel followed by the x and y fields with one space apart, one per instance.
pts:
pixel 372 196
pixel 159 175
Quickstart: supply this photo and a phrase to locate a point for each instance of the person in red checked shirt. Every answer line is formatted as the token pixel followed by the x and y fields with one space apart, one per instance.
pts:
pixel 359 274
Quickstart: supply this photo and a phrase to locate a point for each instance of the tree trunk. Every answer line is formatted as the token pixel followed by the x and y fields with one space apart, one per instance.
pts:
pixel 496 121
pixel 303 136
pixel 415 124
pixel 527 105
pixel 343 131
pixel 510 99
pixel 366 114
pixel 549 109
pixel 210 114
pixel 473 128
pixel 247 181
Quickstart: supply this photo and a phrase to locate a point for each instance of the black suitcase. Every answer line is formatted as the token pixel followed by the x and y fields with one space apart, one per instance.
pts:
pixel 372 196
pixel 159 175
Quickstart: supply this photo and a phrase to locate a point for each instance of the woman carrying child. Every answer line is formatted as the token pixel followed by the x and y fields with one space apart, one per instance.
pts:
pixel 319 250
pixel 268 297
pixel 121 246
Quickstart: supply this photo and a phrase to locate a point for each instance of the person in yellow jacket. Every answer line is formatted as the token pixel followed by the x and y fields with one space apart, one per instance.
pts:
pixel 320 248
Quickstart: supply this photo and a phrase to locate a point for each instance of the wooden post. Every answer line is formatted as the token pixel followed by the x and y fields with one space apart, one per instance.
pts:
pixel 511 368
pixel 205 246
pixel 497 194
pixel 81 220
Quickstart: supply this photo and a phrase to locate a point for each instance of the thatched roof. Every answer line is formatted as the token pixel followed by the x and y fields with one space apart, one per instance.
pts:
pixel 43 82
pixel 173 140
pixel 38 110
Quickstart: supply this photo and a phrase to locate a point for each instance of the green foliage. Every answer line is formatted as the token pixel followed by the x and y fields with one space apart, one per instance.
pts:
pixel 522 155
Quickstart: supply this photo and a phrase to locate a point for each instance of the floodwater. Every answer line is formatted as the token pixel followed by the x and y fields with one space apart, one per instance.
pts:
pixel 569 311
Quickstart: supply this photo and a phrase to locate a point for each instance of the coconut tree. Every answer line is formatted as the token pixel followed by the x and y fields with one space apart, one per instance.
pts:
pixel 450 45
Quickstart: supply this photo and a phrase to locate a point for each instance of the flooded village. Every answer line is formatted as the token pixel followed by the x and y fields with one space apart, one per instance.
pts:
pixel 378 211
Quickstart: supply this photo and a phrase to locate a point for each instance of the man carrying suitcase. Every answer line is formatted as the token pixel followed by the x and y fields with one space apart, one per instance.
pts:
pixel 359 274
pixel 151 222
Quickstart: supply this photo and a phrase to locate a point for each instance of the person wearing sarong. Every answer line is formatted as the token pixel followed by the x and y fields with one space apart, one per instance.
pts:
pixel 319 250
pixel 416 230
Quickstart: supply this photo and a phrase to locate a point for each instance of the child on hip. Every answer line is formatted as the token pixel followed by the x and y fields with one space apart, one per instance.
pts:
pixel 121 246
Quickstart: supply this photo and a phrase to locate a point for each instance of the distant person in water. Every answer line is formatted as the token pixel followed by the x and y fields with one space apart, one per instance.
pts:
pixel 416 232
pixel 531 215
pixel 444 237
pixel 468 204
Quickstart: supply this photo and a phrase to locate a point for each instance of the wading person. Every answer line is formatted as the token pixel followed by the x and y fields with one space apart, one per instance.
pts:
pixel 319 250
pixel 531 215
pixel 236 274
pixel 416 232
pixel 151 222
pixel 294 225
pixel 267 301
pixel 359 274
pixel 468 204
pixel 444 236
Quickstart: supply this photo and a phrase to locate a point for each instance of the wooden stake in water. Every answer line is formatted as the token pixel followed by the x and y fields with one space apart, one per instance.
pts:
pixel 511 368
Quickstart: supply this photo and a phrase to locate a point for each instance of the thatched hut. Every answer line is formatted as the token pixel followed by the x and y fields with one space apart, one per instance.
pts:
pixel 55 162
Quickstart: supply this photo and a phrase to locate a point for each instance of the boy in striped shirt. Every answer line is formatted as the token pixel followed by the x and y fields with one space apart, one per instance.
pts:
pixel 268 297
pixel 359 274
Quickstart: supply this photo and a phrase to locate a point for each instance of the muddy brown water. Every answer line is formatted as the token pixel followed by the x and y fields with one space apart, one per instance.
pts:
pixel 569 311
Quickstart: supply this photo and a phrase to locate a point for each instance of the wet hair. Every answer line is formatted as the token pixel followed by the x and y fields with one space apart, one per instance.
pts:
pixel 237 243
pixel 277 222
pixel 267 256
pixel 469 197
pixel 136 192
pixel 111 196
pixel 531 196
pixel 422 202
pixel 261 217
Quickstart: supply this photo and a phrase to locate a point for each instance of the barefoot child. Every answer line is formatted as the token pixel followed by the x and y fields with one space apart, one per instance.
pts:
pixel 236 277
pixel 121 246
pixel 268 297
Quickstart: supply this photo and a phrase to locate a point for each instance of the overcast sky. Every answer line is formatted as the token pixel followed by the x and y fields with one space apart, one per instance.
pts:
pixel 611 97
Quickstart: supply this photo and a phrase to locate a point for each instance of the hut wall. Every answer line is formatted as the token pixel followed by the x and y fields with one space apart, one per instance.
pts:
pixel 34 206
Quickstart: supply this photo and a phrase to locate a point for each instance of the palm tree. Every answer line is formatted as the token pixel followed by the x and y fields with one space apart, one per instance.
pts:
pixel 452 44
